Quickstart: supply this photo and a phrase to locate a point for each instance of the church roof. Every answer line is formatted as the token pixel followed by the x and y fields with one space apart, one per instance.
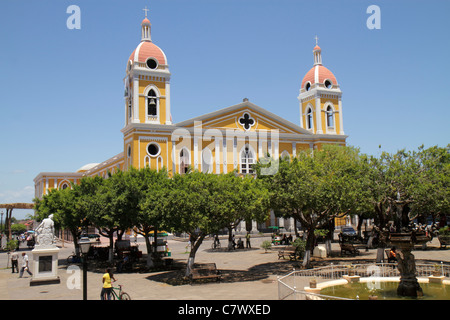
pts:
pixel 318 74
pixel 279 122
pixel 147 49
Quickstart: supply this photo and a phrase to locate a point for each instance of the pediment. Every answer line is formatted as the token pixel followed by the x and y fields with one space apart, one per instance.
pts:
pixel 245 116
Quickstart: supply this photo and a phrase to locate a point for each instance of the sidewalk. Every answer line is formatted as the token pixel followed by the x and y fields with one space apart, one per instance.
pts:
pixel 264 267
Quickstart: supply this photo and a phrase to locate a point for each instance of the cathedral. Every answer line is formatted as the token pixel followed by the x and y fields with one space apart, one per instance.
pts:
pixel 232 138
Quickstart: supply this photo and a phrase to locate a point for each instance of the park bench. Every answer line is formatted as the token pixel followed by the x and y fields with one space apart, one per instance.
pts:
pixel 348 248
pixel 444 241
pixel 205 271
pixel 289 252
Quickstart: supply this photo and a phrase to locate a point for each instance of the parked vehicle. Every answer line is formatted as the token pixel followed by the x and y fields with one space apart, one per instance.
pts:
pixel 348 231
pixel 348 234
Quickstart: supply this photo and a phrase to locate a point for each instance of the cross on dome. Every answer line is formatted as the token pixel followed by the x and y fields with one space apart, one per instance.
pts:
pixel 146 10
pixel 146 27
pixel 317 40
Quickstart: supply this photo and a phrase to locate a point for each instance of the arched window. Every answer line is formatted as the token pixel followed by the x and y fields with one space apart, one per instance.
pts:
pixel 130 103
pixel 184 161
pixel 152 103
pixel 309 118
pixel 285 155
pixel 247 160
pixel 330 117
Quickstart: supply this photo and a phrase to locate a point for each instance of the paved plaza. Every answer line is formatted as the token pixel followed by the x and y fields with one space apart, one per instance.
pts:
pixel 251 274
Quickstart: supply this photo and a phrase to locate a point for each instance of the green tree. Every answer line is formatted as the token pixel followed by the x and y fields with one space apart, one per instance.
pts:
pixel 111 206
pixel 63 204
pixel 431 193
pixel 317 186
pixel 18 228
pixel 246 199
pixel 151 188
pixel 407 185
pixel 202 204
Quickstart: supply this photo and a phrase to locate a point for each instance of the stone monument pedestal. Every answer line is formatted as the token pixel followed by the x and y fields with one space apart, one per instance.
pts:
pixel 320 252
pixel 45 266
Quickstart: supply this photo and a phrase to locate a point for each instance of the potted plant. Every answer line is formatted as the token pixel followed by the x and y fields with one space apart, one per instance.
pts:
pixel 266 245
pixel 351 270
pixel 300 247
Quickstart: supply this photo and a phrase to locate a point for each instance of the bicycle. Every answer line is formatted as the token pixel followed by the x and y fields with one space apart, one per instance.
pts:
pixel 215 245
pixel 73 259
pixel 121 295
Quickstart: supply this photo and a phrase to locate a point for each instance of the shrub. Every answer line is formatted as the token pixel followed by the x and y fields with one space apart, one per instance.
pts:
pixel 445 231
pixel 266 245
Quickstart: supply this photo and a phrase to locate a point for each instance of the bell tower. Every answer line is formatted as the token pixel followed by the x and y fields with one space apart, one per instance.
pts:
pixel 320 99
pixel 148 120
pixel 147 82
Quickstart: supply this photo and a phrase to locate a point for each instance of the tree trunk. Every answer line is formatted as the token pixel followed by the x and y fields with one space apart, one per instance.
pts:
pixel 75 242
pixel 111 247
pixel 358 227
pixel 148 245
pixel 195 244
pixel 309 247
pixel 230 237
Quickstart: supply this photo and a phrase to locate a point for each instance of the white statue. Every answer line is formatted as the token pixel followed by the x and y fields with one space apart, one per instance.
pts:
pixel 45 232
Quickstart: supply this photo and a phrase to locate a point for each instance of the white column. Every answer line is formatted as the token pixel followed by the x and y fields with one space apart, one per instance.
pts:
pixel 318 117
pixel 281 222
pixel 276 151
pixel 217 150
pixel 254 227
pixel 341 117
pixel 174 157
pixel 168 120
pixel 291 225
pixel 301 115
pixel 235 155
pixel 294 149
pixel 195 166
pixel 260 152
pixel 135 100
pixel 225 154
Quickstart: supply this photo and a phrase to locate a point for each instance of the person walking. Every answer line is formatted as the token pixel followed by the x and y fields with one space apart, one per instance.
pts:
pixel 15 261
pixel 25 266
pixel 108 277
pixel 247 237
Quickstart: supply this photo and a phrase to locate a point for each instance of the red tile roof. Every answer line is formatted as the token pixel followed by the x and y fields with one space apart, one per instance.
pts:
pixel 323 74
pixel 147 49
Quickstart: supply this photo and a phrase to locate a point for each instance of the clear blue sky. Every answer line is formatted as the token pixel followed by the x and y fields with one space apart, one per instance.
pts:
pixel 62 90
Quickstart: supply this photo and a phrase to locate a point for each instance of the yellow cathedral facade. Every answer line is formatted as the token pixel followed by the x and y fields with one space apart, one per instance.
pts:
pixel 229 139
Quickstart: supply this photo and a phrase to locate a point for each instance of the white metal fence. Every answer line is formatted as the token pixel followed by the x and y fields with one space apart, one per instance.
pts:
pixel 290 286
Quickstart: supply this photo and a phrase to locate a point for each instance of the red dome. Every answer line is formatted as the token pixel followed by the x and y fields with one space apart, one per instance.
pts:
pixel 147 49
pixel 318 74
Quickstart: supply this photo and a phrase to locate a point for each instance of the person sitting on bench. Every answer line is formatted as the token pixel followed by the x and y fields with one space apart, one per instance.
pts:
pixel 392 256
pixel 240 244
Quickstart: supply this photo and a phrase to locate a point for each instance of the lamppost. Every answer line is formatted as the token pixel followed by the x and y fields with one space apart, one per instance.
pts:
pixel 85 245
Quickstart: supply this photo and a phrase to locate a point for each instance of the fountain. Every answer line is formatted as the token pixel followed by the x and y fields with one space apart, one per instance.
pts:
pixel 405 242
pixel 404 237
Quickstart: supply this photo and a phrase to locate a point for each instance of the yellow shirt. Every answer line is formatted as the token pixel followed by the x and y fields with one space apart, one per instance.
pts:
pixel 106 281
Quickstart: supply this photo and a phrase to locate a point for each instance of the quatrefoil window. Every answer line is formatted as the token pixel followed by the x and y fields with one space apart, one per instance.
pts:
pixel 246 121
